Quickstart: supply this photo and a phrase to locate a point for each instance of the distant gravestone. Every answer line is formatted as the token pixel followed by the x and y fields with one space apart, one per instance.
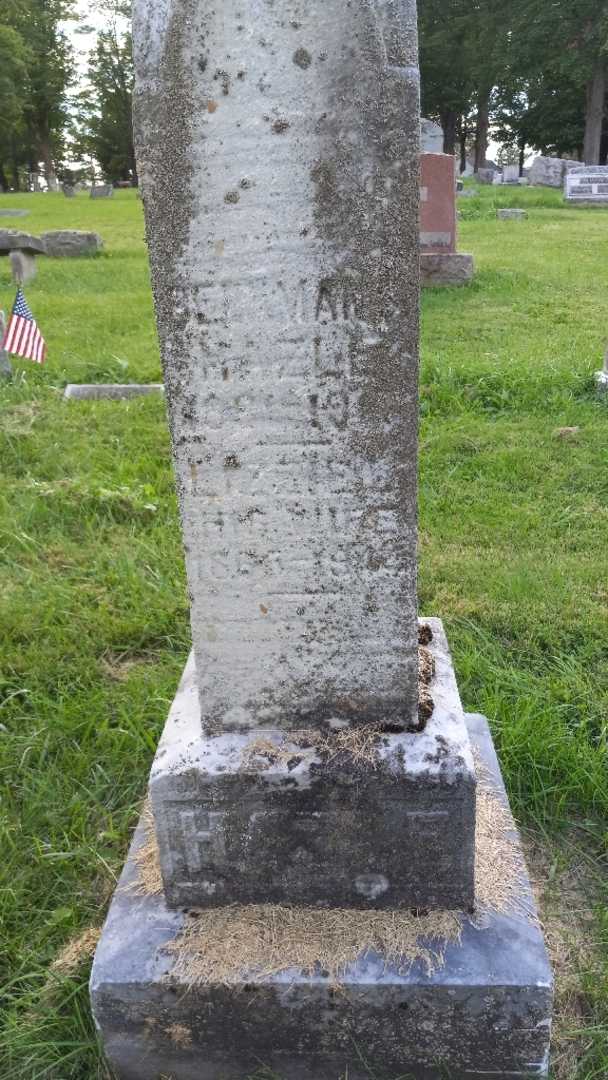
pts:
pixel 68 190
pixel 587 184
pixel 14 213
pixel 511 215
pixel 431 137
pixel 510 174
pixel 550 171
pixel 102 191
pixel 71 243
pixel 485 176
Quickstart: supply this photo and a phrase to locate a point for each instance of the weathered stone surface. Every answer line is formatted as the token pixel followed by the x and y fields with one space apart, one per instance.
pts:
pixel 511 215
pixel 485 176
pixel 431 137
pixel 550 171
pixel 510 174
pixel 485 1013
pixel 278 157
pixel 304 829
pixel 102 191
pixel 113 391
pixel 450 269
pixel 437 203
pixel 587 185
pixel 13 240
pixel 69 243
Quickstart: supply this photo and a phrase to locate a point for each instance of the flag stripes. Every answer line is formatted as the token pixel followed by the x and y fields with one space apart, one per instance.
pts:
pixel 22 336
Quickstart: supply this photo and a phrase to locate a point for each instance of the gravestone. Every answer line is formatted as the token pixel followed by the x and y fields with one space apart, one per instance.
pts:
pixel 71 243
pixel 285 273
pixel 431 137
pixel 14 213
pixel 440 263
pixel 550 171
pixel 511 214
pixel 510 174
pixel 102 191
pixel 587 185
pixel 68 190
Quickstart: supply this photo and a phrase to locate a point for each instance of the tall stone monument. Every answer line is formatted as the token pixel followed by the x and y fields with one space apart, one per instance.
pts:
pixel 315 756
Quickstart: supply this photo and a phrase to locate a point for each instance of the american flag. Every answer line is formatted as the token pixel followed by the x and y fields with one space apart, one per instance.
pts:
pixel 22 337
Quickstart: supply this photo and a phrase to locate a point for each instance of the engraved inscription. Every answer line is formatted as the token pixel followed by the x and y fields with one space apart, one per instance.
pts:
pixel 202 838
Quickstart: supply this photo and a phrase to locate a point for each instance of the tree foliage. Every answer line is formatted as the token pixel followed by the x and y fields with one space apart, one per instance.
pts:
pixel 534 70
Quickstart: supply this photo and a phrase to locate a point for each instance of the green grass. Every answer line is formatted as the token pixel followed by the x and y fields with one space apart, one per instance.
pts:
pixel 93 609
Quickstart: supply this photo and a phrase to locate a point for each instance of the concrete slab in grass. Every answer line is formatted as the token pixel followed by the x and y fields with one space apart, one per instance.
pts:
pixel 484 1013
pixel 110 391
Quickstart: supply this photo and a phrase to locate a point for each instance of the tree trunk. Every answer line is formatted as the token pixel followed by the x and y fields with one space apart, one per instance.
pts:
pixel 522 155
pixel 49 165
pixel 482 129
pixel 449 120
pixel 594 116
pixel 3 180
pixel 463 144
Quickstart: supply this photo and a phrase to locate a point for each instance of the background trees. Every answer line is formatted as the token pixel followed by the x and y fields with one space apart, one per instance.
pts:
pixel 533 73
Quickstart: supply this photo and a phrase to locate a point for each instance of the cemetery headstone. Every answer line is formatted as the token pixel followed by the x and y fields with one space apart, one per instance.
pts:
pixel 512 214
pixel 71 243
pixel 13 213
pixel 431 137
pixel 587 185
pixel 314 757
pixel 550 171
pixel 485 176
pixel 102 191
pixel 440 263
pixel 68 190
pixel 510 174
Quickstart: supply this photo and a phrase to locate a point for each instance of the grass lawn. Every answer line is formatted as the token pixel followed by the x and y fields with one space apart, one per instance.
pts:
pixel 94 616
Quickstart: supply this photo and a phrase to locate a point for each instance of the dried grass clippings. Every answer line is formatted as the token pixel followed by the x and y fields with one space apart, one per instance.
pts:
pixel 229 945
pixel 76 951
pixel 149 881
pixel 237 943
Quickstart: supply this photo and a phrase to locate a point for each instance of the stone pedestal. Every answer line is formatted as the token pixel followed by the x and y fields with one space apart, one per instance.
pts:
pixel 485 1012
pixel 292 823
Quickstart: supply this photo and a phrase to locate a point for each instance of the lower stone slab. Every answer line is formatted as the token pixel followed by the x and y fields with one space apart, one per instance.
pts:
pixel 288 824
pixel 453 268
pixel 485 1013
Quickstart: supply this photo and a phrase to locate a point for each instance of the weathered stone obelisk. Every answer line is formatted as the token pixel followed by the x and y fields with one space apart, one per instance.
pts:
pixel 277 146
pixel 278 151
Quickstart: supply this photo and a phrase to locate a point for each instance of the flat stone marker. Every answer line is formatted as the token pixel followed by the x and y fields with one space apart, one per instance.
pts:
pixel 511 215
pixel 111 391
pixel 316 752
pixel 14 213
